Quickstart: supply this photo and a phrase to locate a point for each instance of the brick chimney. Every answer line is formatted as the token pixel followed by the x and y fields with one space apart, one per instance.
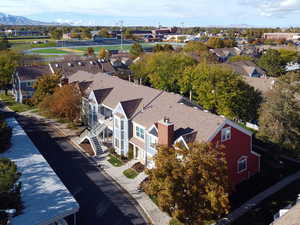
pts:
pixel 165 132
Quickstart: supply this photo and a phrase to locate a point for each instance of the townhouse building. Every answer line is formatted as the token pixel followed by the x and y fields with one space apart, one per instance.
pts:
pixel 137 118
pixel 24 77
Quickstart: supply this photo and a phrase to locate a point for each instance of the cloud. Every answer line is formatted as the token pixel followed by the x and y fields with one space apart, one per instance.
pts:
pixel 165 8
pixel 278 8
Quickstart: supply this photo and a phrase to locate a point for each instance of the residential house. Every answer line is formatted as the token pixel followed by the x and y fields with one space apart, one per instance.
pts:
pixel 224 54
pixel 137 118
pixel 23 79
pixel 253 75
pixel 91 65
pixel 24 76
pixel 247 68
pixel 281 36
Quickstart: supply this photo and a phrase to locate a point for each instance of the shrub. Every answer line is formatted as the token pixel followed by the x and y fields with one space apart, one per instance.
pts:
pixel 5 136
pixel 130 153
pixel 10 195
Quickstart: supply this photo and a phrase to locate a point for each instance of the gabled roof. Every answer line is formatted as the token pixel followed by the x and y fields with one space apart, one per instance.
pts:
pixel 245 68
pixel 130 106
pixel 146 106
pixel 32 72
pixel 101 94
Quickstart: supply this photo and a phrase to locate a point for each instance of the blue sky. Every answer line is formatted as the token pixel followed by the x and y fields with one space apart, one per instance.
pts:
pixel 283 13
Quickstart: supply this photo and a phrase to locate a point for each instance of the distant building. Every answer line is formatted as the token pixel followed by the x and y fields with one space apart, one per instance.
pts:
pixel 23 79
pixel 167 30
pixel 281 36
pixel 25 76
pixel 247 68
pixel 224 54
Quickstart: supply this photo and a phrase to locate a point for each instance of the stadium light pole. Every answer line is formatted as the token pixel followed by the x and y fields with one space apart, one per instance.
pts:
pixel 121 25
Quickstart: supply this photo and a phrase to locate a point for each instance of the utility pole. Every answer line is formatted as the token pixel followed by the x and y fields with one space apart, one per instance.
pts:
pixel 121 25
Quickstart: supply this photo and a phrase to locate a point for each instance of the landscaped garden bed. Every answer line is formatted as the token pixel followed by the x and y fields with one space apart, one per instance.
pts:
pixel 138 167
pixel 130 173
pixel 115 161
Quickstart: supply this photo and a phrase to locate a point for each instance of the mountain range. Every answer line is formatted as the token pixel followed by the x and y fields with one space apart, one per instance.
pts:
pixel 6 19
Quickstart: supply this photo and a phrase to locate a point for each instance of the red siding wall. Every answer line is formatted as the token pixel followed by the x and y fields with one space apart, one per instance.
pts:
pixel 239 145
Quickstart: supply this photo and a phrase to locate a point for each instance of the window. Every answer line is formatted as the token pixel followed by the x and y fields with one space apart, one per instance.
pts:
pixel 122 124
pixel 122 144
pixel 122 135
pixel 226 134
pixel 116 142
pixel 242 164
pixel 116 123
pixel 139 132
pixel 152 141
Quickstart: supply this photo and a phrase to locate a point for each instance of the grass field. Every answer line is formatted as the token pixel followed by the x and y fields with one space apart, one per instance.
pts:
pixel 50 51
pixel 15 106
pixel 82 50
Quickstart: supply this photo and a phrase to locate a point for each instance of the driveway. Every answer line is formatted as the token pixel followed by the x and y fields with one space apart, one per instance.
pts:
pixel 101 201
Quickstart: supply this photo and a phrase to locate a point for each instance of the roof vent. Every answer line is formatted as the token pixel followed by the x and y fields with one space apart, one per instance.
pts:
pixel 205 110
pixel 99 60
pixel 91 62
pixel 222 116
pixel 56 65
pixel 69 64
pixel 195 107
pixel 79 64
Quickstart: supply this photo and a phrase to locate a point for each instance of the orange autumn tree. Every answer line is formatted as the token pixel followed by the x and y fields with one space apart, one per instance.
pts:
pixel 190 184
pixel 64 103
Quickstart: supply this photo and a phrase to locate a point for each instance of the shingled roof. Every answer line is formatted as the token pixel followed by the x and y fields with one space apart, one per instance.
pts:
pixel 245 68
pixel 146 106
pixel 32 72
pixel 94 66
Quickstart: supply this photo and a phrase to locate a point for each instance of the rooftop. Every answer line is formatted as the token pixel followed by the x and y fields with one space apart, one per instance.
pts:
pixel 44 196
pixel 32 72
pixel 146 106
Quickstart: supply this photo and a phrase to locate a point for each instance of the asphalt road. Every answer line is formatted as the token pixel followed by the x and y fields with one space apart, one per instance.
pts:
pixel 101 201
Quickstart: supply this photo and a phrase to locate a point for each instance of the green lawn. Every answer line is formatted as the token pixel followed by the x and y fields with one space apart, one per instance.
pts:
pixel 15 106
pixel 50 51
pixel 114 161
pixel 130 173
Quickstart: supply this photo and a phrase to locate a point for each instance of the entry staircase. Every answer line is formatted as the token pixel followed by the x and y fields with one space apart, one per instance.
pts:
pixel 91 135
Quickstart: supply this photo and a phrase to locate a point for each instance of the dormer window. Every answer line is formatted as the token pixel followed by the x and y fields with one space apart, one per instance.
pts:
pixel 226 134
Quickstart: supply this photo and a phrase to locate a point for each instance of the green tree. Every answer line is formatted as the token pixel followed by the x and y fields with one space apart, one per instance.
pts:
pixel 215 42
pixel 195 46
pixel 57 34
pixel 190 184
pixel 163 69
pixel 158 48
pixel 10 196
pixel 222 91
pixel 103 53
pixel 272 63
pixel 86 34
pixel 8 63
pixel 238 58
pixel 45 86
pixel 136 49
pixel 104 33
pixel 4 44
pixel 288 55
pixel 279 118
pixel 5 135
pixel 229 43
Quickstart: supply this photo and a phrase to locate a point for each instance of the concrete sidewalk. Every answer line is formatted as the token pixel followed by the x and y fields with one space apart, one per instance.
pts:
pixel 156 216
